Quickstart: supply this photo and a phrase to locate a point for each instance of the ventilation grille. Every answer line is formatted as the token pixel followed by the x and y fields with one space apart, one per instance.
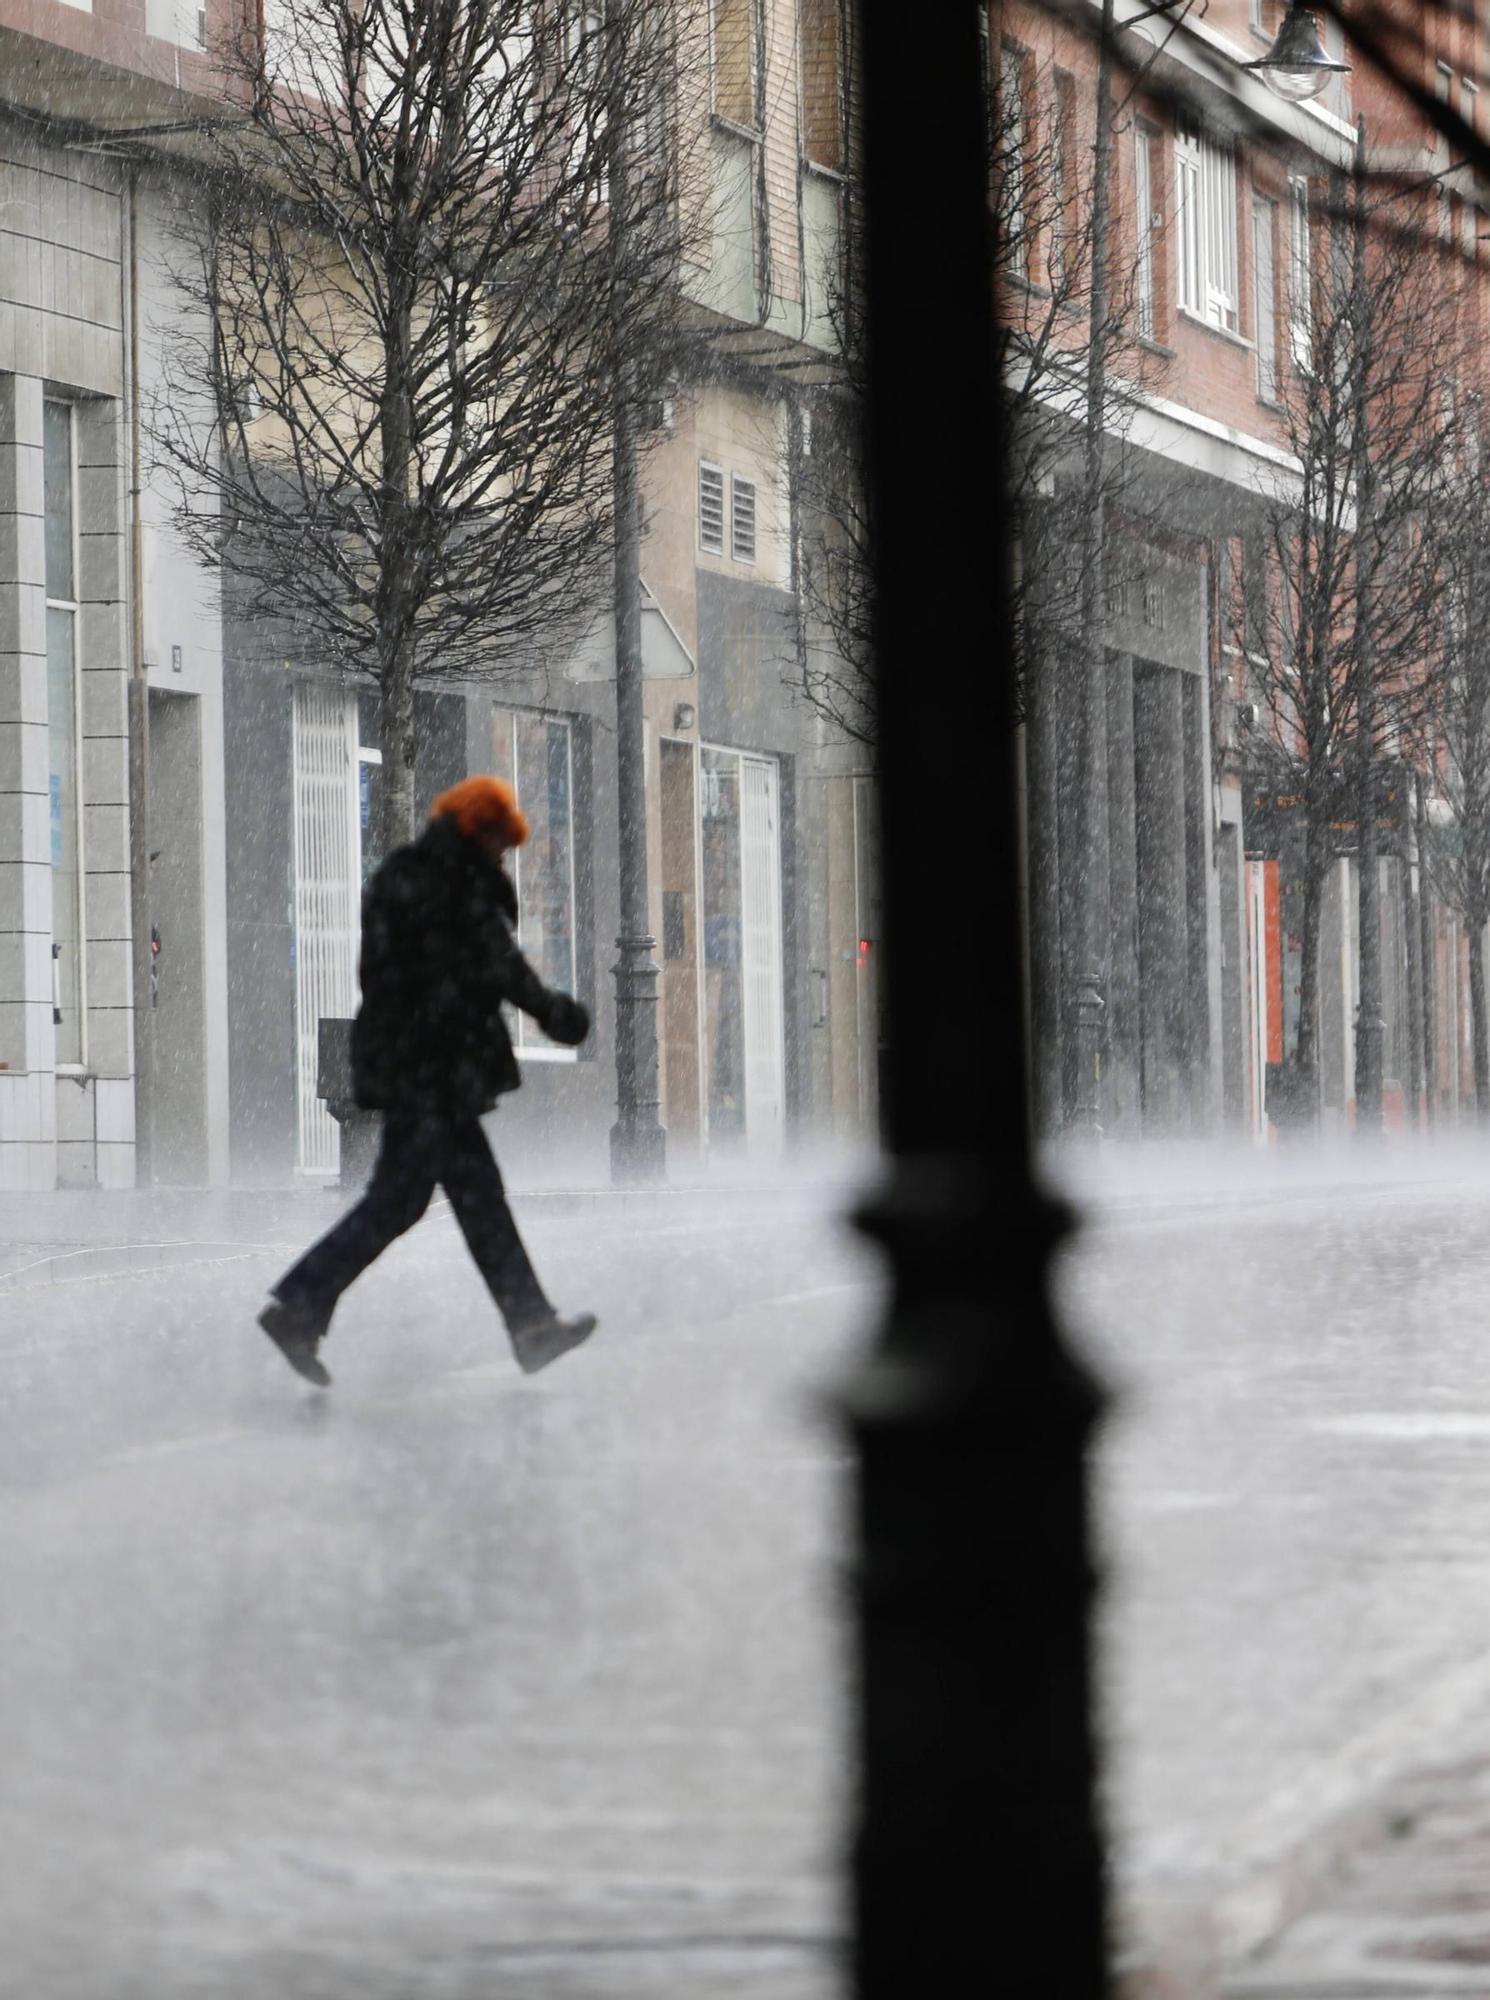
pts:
pixel 711 509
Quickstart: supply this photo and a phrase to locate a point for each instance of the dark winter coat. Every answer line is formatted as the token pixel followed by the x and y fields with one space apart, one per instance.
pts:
pixel 439 959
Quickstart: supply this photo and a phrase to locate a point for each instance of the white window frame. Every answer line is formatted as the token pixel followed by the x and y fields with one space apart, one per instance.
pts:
pixel 72 605
pixel 709 467
pixel 1300 276
pixel 1145 140
pixel 525 1050
pixel 738 487
pixel 1206 200
pixel 1014 118
pixel 1062 103
pixel 1265 294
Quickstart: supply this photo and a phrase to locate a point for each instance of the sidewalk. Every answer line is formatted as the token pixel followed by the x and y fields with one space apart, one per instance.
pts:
pixel 73 1234
pixel 1409 1918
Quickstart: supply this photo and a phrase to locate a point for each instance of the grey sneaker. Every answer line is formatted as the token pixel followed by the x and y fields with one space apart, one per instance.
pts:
pixel 544 1340
pixel 296 1332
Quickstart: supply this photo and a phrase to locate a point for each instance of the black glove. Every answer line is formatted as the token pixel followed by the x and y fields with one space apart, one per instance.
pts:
pixel 565 1021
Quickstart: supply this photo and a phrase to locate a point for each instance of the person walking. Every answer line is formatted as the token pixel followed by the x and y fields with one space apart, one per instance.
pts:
pixel 431 1051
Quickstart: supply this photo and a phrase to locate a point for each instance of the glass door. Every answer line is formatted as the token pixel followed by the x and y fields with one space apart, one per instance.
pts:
pixel 741 871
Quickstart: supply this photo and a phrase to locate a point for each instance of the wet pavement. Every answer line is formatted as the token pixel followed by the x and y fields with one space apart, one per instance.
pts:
pixel 451 1684
pixel 1295 1485
pixel 445 1683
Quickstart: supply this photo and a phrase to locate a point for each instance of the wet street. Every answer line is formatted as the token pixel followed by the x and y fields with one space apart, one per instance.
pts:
pixel 451 1685
pixel 445 1683
pixel 1296 1489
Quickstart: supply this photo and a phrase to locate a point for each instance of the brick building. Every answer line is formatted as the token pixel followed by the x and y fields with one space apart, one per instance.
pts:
pixel 1216 240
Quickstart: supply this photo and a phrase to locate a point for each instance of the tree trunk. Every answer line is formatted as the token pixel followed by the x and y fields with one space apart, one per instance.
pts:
pixel 396 736
pixel 1415 1072
pixel 1306 1047
pixel 1370 1028
pixel 1478 1026
pixel 394 631
pixel 1370 1025
pixel 1087 964
pixel 1427 958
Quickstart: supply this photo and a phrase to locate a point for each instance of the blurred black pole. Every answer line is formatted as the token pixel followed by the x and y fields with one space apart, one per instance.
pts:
pixel 977 1859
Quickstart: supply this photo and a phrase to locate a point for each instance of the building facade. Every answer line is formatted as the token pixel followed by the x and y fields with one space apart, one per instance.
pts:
pixel 186 799
pixel 1167 841
pixel 103 633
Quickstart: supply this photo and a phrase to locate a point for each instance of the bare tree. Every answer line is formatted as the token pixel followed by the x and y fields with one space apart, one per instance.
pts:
pixel 440 262
pixel 1042 173
pixel 1454 735
pixel 1339 618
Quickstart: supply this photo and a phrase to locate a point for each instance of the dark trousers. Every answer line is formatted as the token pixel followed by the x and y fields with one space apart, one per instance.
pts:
pixel 420 1152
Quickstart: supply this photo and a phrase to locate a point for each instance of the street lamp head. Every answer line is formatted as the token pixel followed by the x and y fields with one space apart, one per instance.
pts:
pixel 1297 66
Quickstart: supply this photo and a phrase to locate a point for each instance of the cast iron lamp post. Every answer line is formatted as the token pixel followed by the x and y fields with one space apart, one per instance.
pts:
pixel 977 1864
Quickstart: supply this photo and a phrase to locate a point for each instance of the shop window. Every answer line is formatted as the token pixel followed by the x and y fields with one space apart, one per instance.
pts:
pixel 64 756
pixel 535 754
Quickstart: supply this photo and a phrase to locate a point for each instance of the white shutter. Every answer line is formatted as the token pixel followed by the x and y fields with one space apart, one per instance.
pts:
pixel 760 897
pixel 327 897
pixel 1143 189
pixel 710 509
pixel 742 519
pixel 1187 206
pixel 1300 277
pixel 1265 300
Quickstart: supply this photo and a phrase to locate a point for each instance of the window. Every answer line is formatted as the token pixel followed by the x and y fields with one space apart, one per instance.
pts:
pixel 742 519
pixel 1300 277
pixel 1205 190
pixel 64 757
pixel 1443 81
pixel 818 28
pixel 534 753
pixel 987 92
pixel 1063 151
pixel 1013 159
pixel 1264 234
pixel 734 61
pixel 710 509
pixel 1146 225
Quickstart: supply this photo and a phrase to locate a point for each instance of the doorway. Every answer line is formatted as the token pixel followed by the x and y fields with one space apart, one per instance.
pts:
pixel 176 1086
pixel 740 866
pixel 330 781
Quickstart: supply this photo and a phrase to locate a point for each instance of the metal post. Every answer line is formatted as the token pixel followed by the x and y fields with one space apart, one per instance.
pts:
pixel 638 1143
pixel 1087 964
pixel 977 1863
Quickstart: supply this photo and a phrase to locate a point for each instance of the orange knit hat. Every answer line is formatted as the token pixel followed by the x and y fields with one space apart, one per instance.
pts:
pixel 478 803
